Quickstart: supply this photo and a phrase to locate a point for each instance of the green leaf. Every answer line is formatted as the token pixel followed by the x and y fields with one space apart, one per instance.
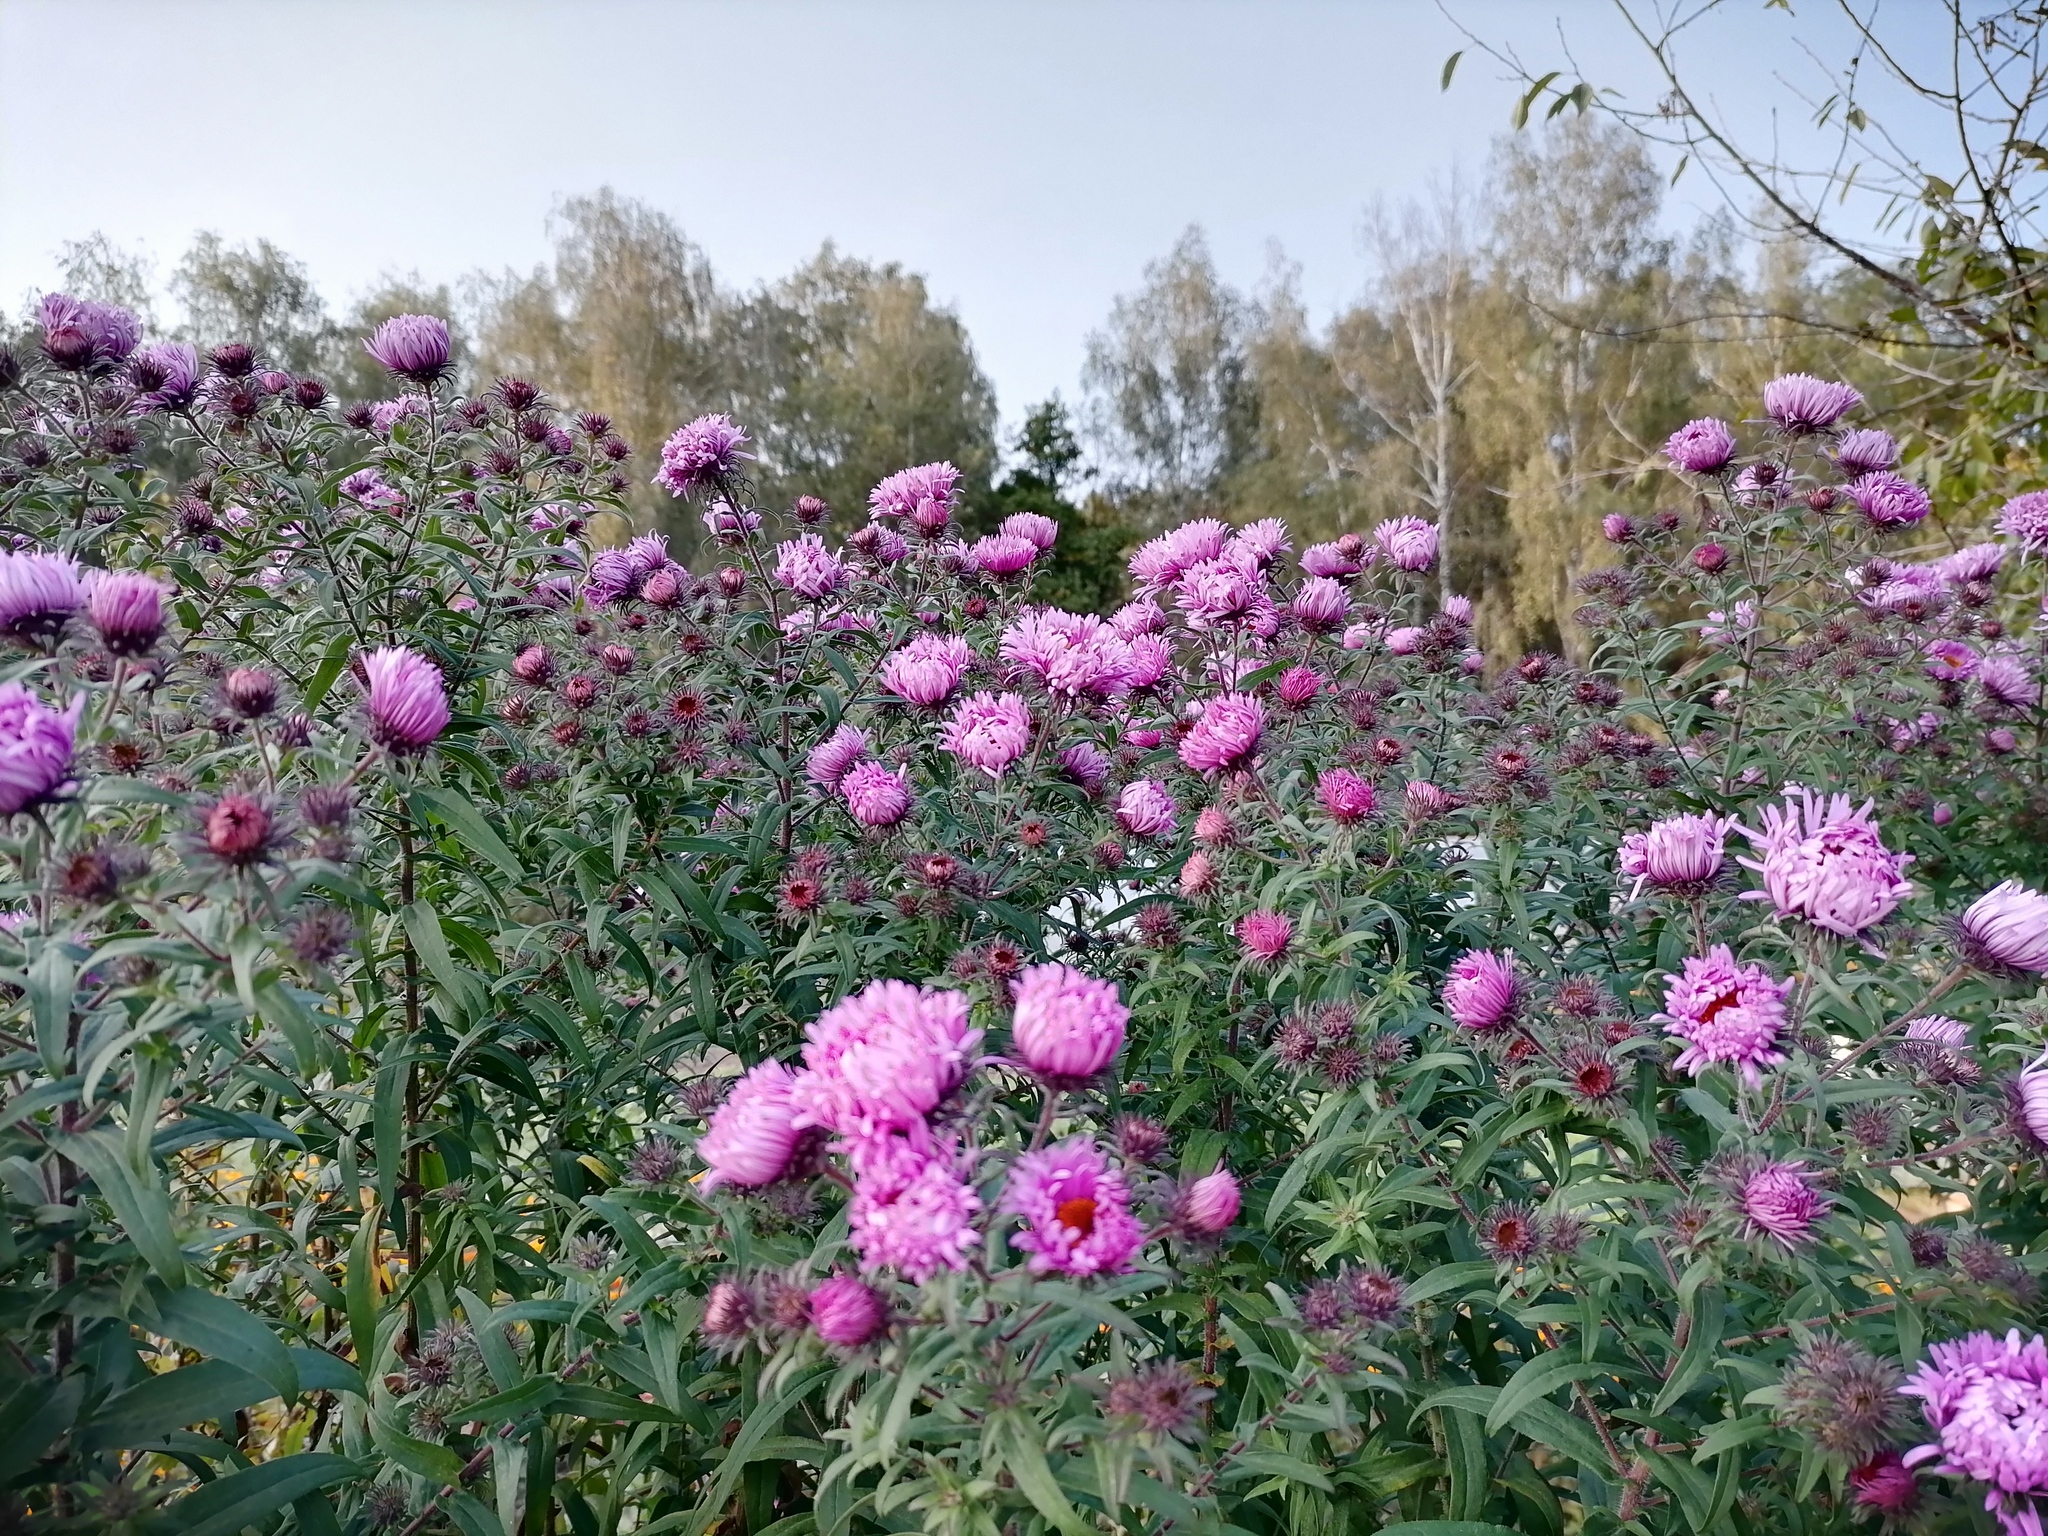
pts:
pixel 361 1289
pixel 328 670
pixel 1538 1379
pixel 761 1423
pixel 1446 1278
pixel 1025 1457
pixel 530 1396
pixel 1471 1462
pixel 1701 1344
pixel 1450 68
pixel 470 827
pixel 216 1326
pixel 51 978
pixel 143 1209
pixel 32 1416
pixel 436 1463
pixel 1445 1528
pixel 228 1504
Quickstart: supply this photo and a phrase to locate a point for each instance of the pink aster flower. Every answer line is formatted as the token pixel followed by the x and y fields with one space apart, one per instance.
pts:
pixel 1218 592
pixel 1226 735
pixel 1265 934
pixel 752 1136
pixel 1424 801
pixel 1142 617
pixel 1003 554
pixel 1076 1209
pixel 881 1060
pixel 1405 640
pixel 1161 562
pixel 1320 604
pixel 1974 562
pixel 2006 929
pixel 408 705
pixel 1780 1200
pixel 2007 680
pixel 700 454
pixel 79 333
pixel 1035 526
pixel 1939 1029
pixel 1949 661
pixel 1198 878
pixel 1700 447
pixel 1208 1205
pixel 900 494
pixel 2025 518
pixel 1069 653
pixel 413 347
pixel 1145 809
pixel 1827 863
pixel 1068 1026
pixel 36 743
pixel 1865 450
pixel 830 759
pixel 808 568
pixel 1481 990
pixel 1889 500
pixel 848 1313
pixel 1335 561
pixel 1299 687
pixel 1681 855
pixel 1262 541
pixel 1150 659
pixel 728 523
pixel 2026 1099
pixel 911 1210
pixel 1409 542
pixel 1086 764
pixel 877 796
pixel 38 592
pixel 1344 796
pixel 1800 403
pixel 1617 529
pixel 1986 1399
pixel 927 670
pixel 1727 1015
pixel 1885 1484
pixel 989 732
pixel 127 608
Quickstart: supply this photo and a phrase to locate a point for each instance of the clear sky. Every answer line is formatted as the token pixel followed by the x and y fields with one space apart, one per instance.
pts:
pixel 1029 158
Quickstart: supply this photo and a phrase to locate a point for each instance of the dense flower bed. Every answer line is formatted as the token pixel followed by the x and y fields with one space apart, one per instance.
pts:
pixel 508 1035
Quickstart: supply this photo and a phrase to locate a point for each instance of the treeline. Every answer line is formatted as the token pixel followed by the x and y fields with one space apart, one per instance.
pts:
pixel 1523 348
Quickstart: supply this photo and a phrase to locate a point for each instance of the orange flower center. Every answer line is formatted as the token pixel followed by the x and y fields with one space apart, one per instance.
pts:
pixel 1709 1013
pixel 1076 1215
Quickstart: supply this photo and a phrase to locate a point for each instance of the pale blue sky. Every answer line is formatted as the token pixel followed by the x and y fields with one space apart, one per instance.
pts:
pixel 1029 158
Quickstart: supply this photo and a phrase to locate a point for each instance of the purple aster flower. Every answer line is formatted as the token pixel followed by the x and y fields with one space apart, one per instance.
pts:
pixel 2006 679
pixel 881 1060
pixel 1701 447
pixel 408 705
pixel 1003 554
pixel 1864 450
pixel 1035 526
pixel 1072 653
pixel 1780 1200
pixel 1826 863
pixel 1938 1029
pixel 1949 661
pixel 1142 617
pixel 1481 990
pixel 127 608
pixel 1076 1209
pixel 1335 562
pixel 1800 403
pixel 414 347
pixel 166 377
pixel 2026 1097
pixel 1068 1026
pixel 2006 929
pixel 77 333
pixel 1889 500
pixel 911 1210
pixel 386 414
pixel 35 747
pixel 366 488
pixel 1681 855
pixel 808 568
pixel 927 670
pixel 989 732
pixel 1226 735
pixel 1087 765
pixel 2025 518
pixel 901 493
pixel 1162 561
pixel 1320 605
pixel 1145 809
pixel 876 796
pixel 848 1313
pixel 1409 542
pixel 1220 591
pixel 753 1136
pixel 728 523
pixel 1262 541
pixel 830 759
pixel 1986 1399
pixel 1265 934
pixel 1727 1015
pixel 701 454
pixel 1977 562
pixel 38 592
pixel 1344 796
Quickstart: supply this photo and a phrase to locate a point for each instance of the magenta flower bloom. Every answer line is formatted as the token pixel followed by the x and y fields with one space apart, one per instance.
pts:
pixel 848 1313
pixel 1218 592
pixel 1226 735
pixel 1161 562
pixel 1073 653
pixel 989 732
pixel 2025 518
pixel 1424 801
pixel 1333 562
pixel 1265 934
pixel 1481 991
pixel 2006 679
pixel 1949 661
pixel 1076 1208
pixel 1889 500
pixel 1068 1026
pixel 1087 765
pixel 875 795
pixel 1827 863
pixel 166 378
pixel 1681 855
pixel 1320 605
pixel 809 569
pixel 1035 526
pixel 1780 1199
pixel 1975 562
pixel 1406 640
pixel 727 523
pixel 1262 541
pixel 1727 1015
pixel 1410 543
pixel 414 347
pixel 1299 687
pixel 35 747
pixel 1701 447
pixel 881 1060
pixel 1142 617
pixel 1344 796
pixel 911 1210
pixel 830 759
pixel 127 608
pixel 1617 529
pixel 408 706
pixel 1209 1205
pixel 2006 929
pixel 1885 1484
pixel 386 414
pixel 1002 554
pixel 2026 1099
pixel 1145 809
pixel 1986 1399
pixel 367 488
pixel 752 1136
pixel 1150 659
pixel 901 493
pixel 701 454
pixel 927 670
pixel 38 592
pixel 1799 402
pixel 78 333
pixel 1866 450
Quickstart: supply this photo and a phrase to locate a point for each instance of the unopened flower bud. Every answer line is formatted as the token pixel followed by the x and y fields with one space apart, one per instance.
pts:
pixel 251 692
pixel 732 581
pixel 1710 558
